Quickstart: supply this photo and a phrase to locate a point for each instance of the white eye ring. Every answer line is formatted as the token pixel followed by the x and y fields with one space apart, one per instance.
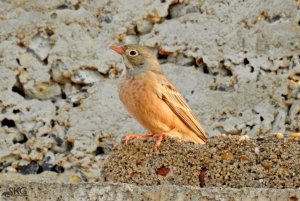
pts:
pixel 133 53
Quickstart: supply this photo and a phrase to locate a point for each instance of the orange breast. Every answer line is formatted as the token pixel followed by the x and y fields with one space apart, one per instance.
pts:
pixel 139 96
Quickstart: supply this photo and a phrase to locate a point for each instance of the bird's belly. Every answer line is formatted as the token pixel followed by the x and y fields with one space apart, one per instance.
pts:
pixel 146 107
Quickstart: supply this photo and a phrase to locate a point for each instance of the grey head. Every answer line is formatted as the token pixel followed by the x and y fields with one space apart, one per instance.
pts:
pixel 137 59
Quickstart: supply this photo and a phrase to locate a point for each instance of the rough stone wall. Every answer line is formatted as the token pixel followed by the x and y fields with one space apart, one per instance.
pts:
pixel 120 192
pixel 225 161
pixel 236 62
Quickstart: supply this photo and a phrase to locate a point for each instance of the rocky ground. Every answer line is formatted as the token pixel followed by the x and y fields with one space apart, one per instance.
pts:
pixel 119 192
pixel 225 161
pixel 236 62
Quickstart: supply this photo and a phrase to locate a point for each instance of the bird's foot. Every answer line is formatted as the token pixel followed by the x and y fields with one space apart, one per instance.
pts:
pixel 162 136
pixel 136 136
pixel 159 138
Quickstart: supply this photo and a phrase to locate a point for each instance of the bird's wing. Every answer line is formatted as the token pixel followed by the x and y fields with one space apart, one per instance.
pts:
pixel 168 93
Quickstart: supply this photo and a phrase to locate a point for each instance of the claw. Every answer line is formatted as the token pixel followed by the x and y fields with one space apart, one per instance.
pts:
pixel 136 136
pixel 159 137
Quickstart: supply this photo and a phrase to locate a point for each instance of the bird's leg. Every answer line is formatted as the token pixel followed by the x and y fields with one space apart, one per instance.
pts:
pixel 136 136
pixel 159 137
pixel 162 136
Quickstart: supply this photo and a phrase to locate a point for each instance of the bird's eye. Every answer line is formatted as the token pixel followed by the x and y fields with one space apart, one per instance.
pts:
pixel 133 53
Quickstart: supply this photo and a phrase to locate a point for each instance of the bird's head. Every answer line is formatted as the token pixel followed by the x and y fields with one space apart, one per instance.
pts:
pixel 137 58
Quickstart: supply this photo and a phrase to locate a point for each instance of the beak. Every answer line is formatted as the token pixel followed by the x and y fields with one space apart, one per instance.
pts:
pixel 118 49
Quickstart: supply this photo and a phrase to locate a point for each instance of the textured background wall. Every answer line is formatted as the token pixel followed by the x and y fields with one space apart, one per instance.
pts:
pixel 236 62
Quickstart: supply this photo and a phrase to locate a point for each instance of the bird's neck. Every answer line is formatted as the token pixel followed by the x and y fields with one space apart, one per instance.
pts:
pixel 137 70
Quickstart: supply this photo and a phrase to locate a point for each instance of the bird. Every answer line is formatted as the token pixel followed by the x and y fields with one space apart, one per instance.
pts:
pixel 153 100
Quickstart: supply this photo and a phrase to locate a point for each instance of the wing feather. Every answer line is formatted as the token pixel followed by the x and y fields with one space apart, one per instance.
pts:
pixel 177 103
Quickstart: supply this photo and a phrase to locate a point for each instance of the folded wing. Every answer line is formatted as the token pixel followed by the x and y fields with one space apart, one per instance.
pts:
pixel 168 93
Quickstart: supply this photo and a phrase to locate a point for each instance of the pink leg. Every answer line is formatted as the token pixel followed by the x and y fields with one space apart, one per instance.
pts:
pixel 136 136
pixel 159 137
pixel 162 136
